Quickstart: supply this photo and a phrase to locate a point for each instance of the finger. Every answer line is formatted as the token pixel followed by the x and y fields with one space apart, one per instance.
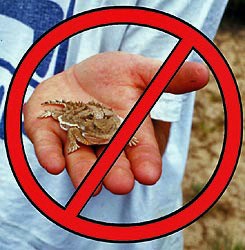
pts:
pixel 47 138
pixel 145 158
pixel 120 179
pixel 49 150
pixel 190 77
pixel 79 163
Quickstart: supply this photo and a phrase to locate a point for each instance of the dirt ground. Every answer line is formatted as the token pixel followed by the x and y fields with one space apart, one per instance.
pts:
pixel 223 227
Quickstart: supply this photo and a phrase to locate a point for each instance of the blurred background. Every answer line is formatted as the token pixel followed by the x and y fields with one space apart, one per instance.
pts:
pixel 223 227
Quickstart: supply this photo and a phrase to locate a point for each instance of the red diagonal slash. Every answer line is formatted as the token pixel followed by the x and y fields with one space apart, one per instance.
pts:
pixel 130 125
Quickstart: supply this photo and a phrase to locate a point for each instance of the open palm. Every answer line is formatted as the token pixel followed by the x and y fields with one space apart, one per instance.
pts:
pixel 117 80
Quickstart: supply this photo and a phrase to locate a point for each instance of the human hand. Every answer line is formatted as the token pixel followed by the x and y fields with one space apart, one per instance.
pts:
pixel 117 80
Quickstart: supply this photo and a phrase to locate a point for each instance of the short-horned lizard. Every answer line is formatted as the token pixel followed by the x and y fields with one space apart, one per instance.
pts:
pixel 88 123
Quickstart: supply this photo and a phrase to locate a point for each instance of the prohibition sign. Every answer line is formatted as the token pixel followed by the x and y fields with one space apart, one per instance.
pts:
pixel 68 217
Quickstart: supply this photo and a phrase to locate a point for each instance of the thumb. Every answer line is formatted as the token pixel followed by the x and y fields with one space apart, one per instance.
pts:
pixel 190 77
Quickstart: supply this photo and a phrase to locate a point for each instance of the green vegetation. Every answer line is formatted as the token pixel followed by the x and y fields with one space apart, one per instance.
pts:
pixel 196 188
pixel 224 241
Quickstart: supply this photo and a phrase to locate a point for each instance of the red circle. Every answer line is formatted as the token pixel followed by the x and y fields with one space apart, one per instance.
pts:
pixel 129 232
